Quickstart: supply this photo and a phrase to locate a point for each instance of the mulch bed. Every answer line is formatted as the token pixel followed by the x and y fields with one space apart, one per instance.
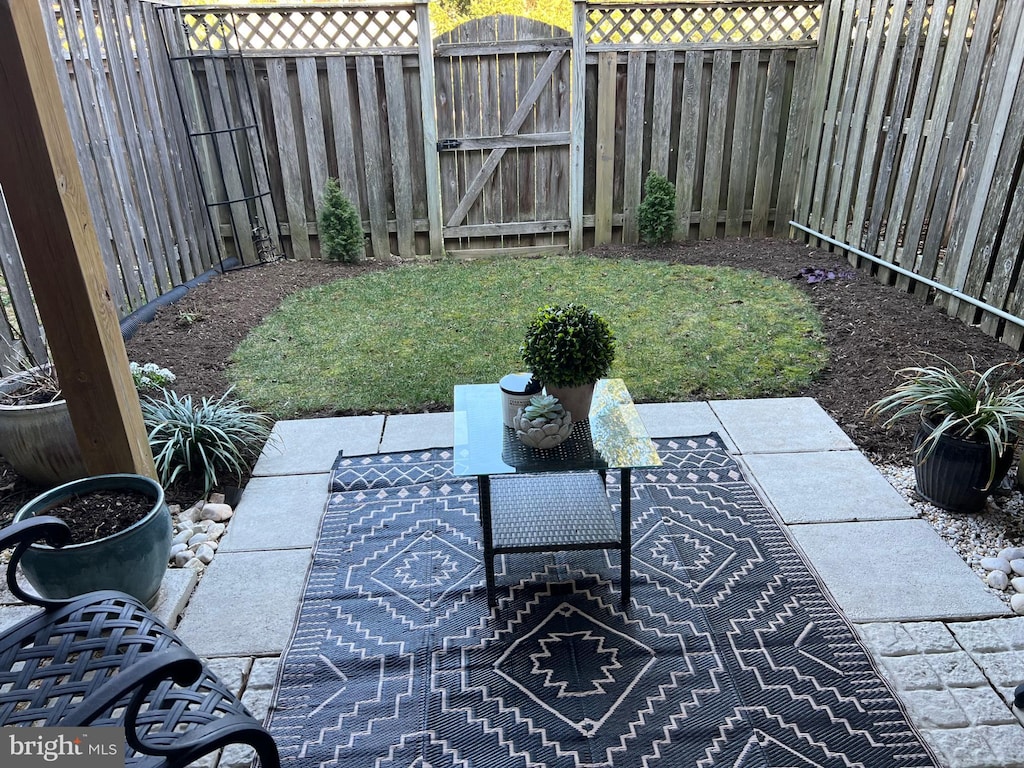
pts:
pixel 871 329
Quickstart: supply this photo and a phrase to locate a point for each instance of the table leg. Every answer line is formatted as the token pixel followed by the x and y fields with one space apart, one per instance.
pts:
pixel 483 484
pixel 625 542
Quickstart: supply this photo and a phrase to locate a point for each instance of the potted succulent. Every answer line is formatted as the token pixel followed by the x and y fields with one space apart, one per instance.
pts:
pixel 120 537
pixel 544 423
pixel 568 348
pixel 970 422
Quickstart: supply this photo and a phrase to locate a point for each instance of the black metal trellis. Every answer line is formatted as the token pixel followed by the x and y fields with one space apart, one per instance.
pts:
pixel 224 135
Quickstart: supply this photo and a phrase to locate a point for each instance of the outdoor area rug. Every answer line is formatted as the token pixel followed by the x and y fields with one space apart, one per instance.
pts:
pixel 729 655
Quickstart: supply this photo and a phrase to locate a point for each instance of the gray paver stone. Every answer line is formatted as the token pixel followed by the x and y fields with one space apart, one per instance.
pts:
pixel 681 420
pixel 308 446
pixel 956 669
pixel 961 748
pixel 1001 634
pixel 231 672
pixel 263 675
pixel 12 614
pixel 1002 668
pixel 911 673
pixel 1006 743
pixel 935 709
pixel 983 705
pixel 931 636
pixel 234 614
pixel 278 512
pixel 416 431
pixel 802 487
pixel 890 570
pixel 780 425
pixel 887 638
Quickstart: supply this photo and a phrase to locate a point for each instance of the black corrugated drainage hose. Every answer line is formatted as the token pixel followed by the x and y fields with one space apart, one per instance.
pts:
pixel 131 323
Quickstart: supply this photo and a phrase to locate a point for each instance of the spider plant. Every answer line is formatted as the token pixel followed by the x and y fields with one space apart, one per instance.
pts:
pixel 215 437
pixel 968 404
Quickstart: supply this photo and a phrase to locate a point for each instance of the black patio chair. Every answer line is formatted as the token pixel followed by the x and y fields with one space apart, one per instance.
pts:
pixel 104 659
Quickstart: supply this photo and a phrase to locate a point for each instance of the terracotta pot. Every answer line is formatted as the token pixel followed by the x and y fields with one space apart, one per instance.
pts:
pixel 955 475
pixel 576 400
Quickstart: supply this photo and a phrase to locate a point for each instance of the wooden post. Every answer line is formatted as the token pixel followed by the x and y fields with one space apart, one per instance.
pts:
pixel 577 124
pixel 428 105
pixel 46 197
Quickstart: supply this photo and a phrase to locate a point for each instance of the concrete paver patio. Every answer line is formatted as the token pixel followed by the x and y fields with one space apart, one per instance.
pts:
pixel 950 647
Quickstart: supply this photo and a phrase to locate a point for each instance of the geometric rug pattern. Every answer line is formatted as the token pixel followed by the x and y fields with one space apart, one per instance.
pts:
pixel 729 654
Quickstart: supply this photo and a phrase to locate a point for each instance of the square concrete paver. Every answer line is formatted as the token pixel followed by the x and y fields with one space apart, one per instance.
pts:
pixel 832 486
pixel 309 446
pixel 416 431
pixel 245 604
pixel 278 512
pixel 894 570
pixel 681 420
pixel 780 425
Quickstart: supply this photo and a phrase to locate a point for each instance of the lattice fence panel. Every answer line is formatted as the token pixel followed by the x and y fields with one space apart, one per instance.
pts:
pixel 212 29
pixel 691 23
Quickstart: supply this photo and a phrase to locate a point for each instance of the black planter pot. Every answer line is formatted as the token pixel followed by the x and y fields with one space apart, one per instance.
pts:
pixel 955 475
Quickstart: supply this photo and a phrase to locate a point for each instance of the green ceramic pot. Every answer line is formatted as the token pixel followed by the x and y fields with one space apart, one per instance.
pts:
pixel 133 560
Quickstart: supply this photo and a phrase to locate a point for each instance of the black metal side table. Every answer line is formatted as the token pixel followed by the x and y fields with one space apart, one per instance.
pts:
pixel 551 500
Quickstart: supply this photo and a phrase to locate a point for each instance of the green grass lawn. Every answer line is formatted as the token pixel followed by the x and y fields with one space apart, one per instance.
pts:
pixel 398 340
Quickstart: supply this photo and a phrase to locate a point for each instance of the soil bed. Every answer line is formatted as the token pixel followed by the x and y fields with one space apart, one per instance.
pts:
pixel 98 514
pixel 871 330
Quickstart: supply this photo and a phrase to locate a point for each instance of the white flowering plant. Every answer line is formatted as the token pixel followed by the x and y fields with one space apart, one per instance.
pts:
pixel 150 376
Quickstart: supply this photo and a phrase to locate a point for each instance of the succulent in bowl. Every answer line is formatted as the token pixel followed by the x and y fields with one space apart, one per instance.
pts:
pixel 544 423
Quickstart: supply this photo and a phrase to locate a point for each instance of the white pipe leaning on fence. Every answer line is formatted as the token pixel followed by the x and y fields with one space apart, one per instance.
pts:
pixel 913 275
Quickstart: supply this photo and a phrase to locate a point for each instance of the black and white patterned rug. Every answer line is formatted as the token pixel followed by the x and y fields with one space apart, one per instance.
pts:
pixel 730 654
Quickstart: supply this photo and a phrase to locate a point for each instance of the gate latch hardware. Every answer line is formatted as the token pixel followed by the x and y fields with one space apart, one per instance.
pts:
pixel 444 144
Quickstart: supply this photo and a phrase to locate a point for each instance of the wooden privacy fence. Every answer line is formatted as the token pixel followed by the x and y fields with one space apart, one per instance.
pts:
pixel 141 183
pixel 466 143
pixel 917 146
pixel 893 126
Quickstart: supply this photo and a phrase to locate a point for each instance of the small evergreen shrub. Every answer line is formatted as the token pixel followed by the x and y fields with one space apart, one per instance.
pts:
pixel 341 230
pixel 656 216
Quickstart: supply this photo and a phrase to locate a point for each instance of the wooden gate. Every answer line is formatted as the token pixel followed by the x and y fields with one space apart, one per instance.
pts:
pixel 503 135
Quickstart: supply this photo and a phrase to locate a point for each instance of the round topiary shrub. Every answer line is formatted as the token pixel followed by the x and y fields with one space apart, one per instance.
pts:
pixel 568 346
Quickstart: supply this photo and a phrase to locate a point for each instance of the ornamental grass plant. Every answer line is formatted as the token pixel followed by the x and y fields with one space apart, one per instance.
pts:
pixel 965 403
pixel 217 437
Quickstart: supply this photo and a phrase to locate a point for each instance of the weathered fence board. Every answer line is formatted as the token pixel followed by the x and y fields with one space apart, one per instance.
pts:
pixel 689 120
pixel 632 174
pixel 313 127
pixel 373 154
pixel 721 74
pixel 288 157
pixel 605 147
pixel 879 69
